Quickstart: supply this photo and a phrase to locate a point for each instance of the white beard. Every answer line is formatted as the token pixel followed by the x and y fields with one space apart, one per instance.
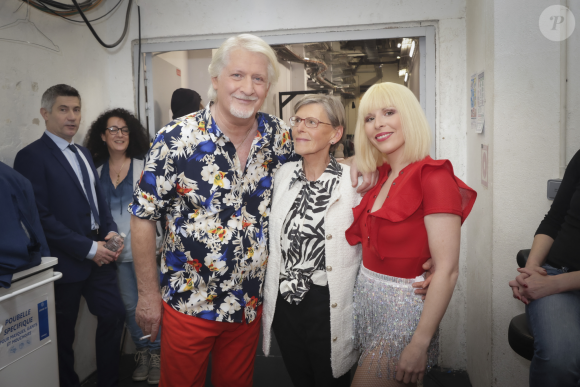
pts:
pixel 241 113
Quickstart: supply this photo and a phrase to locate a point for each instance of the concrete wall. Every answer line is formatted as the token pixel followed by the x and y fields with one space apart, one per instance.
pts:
pixel 526 154
pixel 105 77
pixel 478 228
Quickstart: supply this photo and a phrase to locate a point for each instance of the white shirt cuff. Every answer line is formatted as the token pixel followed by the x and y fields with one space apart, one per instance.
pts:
pixel 92 251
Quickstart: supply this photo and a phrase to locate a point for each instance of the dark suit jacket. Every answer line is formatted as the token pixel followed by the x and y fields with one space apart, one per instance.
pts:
pixel 64 209
pixel 22 241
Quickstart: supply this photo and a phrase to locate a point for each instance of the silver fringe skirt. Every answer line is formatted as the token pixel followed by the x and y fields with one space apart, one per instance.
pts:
pixel 386 314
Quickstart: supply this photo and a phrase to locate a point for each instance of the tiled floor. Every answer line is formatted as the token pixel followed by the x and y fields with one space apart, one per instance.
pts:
pixel 270 371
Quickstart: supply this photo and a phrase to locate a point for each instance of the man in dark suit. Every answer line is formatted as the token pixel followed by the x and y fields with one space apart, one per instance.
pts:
pixel 77 221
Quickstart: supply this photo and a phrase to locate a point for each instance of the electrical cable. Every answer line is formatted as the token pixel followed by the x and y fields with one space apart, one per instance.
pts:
pixel 63 9
pixel 78 21
pixel 59 5
pixel 95 33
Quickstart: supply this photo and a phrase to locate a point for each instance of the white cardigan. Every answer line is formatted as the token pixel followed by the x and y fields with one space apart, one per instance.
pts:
pixel 342 263
pixel 138 165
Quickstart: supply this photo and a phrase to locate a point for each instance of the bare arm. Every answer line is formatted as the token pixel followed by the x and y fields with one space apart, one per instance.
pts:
pixel 149 308
pixel 540 248
pixel 444 233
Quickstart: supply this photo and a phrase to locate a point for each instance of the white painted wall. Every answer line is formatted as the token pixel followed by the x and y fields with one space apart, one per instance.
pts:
pixel 105 77
pixel 179 59
pixel 526 155
pixel 165 82
pixel 198 61
pixel 478 228
pixel 271 105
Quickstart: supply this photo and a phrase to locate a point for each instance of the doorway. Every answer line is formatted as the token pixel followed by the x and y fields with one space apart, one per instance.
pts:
pixel 343 63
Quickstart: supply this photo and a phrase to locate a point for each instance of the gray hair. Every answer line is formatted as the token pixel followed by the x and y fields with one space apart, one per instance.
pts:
pixel 249 43
pixel 332 107
pixel 52 93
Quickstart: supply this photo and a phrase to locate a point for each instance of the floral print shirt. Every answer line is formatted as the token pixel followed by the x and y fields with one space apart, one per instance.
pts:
pixel 215 250
pixel 302 239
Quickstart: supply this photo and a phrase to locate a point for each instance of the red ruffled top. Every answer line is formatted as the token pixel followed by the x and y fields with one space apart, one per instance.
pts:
pixel 394 238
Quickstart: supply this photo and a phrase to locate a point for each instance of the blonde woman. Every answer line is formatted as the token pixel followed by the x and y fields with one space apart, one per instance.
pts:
pixel 414 213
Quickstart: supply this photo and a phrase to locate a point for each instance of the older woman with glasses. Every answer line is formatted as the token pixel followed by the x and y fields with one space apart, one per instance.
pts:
pixel 311 268
pixel 117 142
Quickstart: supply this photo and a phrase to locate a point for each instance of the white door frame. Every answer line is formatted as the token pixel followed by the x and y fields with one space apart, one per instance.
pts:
pixel 426 36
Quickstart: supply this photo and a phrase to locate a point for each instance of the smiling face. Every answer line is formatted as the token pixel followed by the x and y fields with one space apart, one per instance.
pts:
pixel 242 85
pixel 65 117
pixel 384 131
pixel 309 141
pixel 116 142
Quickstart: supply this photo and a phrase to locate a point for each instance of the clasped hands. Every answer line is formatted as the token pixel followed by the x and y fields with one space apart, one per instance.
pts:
pixel 531 284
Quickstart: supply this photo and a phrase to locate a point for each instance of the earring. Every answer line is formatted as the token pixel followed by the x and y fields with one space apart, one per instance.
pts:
pixel 332 142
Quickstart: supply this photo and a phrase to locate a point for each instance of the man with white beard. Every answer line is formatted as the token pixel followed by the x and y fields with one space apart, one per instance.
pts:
pixel 211 173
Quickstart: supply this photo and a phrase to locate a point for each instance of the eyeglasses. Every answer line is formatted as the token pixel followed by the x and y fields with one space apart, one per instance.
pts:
pixel 114 130
pixel 310 122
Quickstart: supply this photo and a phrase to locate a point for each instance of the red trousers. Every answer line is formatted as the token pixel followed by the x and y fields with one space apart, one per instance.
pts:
pixel 186 342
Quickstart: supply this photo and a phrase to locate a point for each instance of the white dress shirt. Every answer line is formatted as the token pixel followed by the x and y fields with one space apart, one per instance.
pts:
pixel 63 145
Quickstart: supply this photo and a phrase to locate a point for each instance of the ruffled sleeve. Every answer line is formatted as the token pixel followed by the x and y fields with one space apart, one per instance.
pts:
pixel 433 184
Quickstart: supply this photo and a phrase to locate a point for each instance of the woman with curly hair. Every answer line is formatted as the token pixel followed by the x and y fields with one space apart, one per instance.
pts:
pixel 117 142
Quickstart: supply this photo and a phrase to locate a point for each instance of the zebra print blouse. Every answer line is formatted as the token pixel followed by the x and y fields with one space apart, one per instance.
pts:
pixel 302 237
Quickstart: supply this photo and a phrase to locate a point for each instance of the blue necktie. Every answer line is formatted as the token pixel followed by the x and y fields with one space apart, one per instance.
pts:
pixel 86 183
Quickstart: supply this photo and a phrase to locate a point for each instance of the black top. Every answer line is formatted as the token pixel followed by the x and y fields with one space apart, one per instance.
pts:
pixel 562 222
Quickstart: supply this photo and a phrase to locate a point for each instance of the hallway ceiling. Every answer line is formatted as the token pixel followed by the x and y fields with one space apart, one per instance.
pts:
pixel 334 65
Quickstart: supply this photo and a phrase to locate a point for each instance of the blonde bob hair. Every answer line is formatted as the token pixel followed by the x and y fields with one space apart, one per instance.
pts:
pixel 246 42
pixel 413 123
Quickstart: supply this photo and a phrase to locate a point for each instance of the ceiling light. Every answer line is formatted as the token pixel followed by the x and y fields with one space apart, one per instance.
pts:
pixel 399 45
pixel 406 76
pixel 398 57
pixel 402 72
pixel 412 49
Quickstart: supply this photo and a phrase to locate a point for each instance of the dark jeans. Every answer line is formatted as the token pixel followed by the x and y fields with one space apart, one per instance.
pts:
pixel 303 334
pixel 555 324
pixel 101 291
